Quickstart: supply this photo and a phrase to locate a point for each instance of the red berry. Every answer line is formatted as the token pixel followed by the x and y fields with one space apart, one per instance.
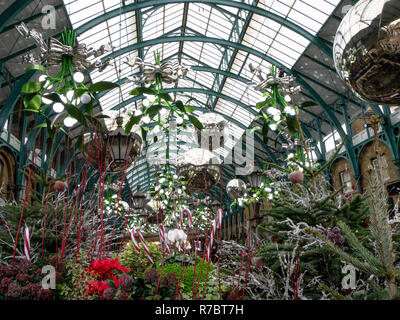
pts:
pixel 59 186
pixel 296 177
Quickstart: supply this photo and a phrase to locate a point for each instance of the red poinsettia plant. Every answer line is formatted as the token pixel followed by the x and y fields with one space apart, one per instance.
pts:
pixel 104 270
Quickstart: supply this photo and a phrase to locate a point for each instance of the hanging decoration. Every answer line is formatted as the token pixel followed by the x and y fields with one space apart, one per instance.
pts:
pixel 168 72
pixel 200 168
pixel 285 83
pixel 366 51
pixel 236 188
pixel 54 52
pixel 65 91
pixel 215 131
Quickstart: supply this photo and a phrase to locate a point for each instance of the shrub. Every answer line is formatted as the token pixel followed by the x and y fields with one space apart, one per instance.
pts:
pixel 138 262
pixel 186 284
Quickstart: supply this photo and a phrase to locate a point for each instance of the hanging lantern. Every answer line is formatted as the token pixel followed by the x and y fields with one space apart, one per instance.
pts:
pixel 215 131
pixel 256 178
pixel 200 168
pixel 215 205
pixel 122 149
pixel 236 188
pixel 138 200
pixel 367 51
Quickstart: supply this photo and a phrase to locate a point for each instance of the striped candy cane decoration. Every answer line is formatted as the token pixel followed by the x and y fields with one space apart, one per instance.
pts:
pixel 217 221
pixel 135 244
pixel 27 243
pixel 187 211
pixel 144 246
pixel 162 237
pixel 219 215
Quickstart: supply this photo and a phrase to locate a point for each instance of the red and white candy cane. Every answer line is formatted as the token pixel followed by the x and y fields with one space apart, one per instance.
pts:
pixel 217 221
pixel 144 246
pixel 135 244
pixel 187 211
pixel 27 243
pixel 162 237
pixel 220 216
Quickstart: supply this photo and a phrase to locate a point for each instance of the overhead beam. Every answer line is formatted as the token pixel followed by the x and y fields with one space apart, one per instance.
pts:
pixel 12 11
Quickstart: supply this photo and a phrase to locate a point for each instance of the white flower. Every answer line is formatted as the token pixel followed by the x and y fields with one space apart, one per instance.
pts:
pixel 162 180
pixel 273 111
pixel 273 126
pixel 276 117
pixel 270 196
pixel 267 189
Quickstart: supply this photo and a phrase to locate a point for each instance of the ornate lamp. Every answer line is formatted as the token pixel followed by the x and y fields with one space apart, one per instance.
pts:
pixel 138 199
pixel 122 149
pixel 256 178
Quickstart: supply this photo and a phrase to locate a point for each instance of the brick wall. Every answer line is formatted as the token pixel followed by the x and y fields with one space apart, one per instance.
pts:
pixel 358 125
pixel 368 153
pixel 339 166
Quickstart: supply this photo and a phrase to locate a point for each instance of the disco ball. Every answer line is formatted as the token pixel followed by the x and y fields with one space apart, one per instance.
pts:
pixel 200 168
pixel 236 188
pixel 214 133
pixel 367 51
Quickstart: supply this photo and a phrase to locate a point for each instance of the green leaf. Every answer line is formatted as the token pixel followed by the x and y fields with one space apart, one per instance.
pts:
pixel 102 86
pixel 308 104
pixel 42 125
pixel 53 97
pixel 142 90
pixel 34 103
pixel 31 87
pixel 77 114
pixel 89 108
pixel 195 122
pixel 190 109
pixel 132 121
pixel 180 106
pixel 153 110
pixel 165 96
pixel 79 92
pixel 144 134
pixel 265 131
pixel 292 124
pixel 38 67
pixel 255 129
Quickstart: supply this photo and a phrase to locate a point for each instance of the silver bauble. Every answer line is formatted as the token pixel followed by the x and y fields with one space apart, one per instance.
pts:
pixel 367 50
pixel 236 188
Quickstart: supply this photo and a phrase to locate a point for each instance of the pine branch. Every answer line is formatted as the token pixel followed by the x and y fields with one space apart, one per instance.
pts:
pixel 333 292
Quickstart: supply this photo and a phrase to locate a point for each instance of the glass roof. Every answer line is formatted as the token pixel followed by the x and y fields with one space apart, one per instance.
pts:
pixel 219 76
